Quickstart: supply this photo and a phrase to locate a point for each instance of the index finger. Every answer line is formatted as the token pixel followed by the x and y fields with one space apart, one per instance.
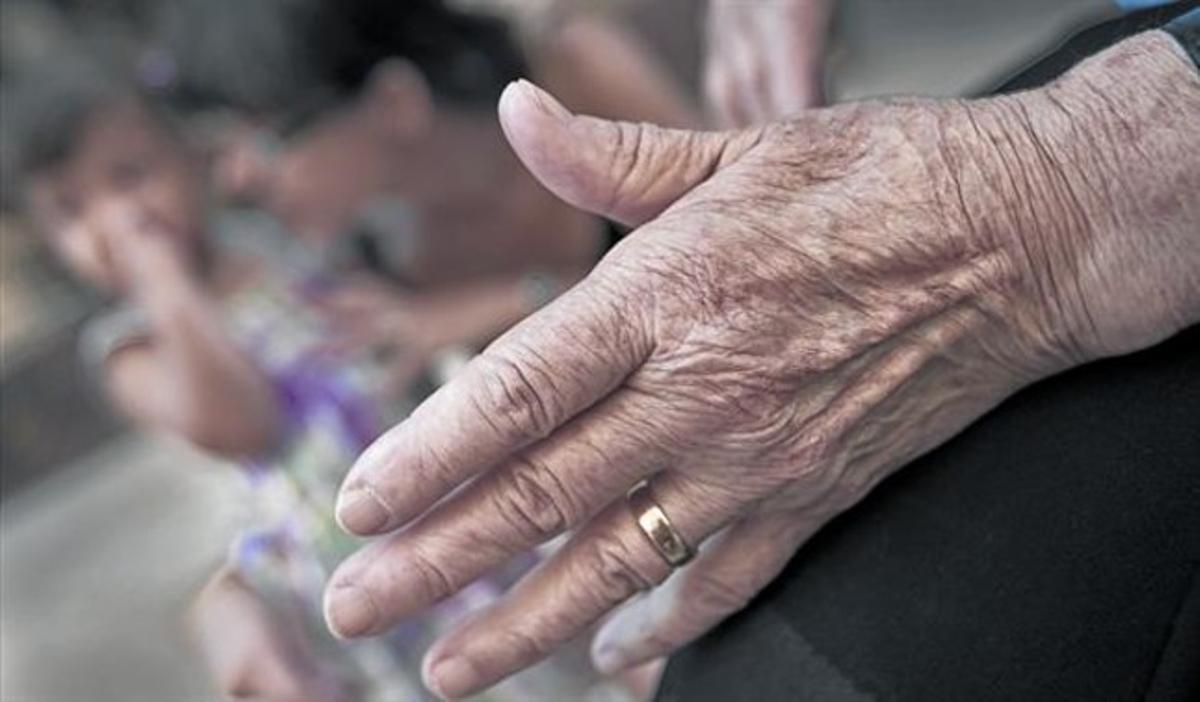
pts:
pixel 533 379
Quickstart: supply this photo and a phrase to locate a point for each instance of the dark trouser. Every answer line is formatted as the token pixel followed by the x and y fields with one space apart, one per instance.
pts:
pixel 1050 552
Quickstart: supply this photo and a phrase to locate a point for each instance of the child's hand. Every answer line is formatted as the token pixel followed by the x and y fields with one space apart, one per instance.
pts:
pixel 252 653
pixel 367 315
pixel 409 328
pixel 146 253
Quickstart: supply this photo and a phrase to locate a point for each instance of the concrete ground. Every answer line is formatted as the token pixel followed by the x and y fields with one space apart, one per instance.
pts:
pixel 98 561
pixel 96 566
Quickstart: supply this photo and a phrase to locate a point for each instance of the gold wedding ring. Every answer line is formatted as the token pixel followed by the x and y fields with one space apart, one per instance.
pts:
pixel 658 529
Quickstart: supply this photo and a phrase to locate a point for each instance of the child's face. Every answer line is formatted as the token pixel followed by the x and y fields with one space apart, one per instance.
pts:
pixel 122 160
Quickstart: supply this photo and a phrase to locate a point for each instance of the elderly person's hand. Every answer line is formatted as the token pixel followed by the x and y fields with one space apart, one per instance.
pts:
pixel 804 308
pixel 765 58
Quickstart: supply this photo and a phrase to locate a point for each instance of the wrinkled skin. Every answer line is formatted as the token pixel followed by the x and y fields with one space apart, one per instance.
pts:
pixel 803 309
pixel 765 60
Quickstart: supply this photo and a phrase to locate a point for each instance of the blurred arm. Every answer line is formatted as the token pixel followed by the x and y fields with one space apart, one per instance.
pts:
pixel 188 377
pixel 765 60
pixel 372 314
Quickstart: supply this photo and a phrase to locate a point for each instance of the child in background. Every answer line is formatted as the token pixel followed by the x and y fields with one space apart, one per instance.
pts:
pixel 216 340
pixel 337 112
pixel 345 106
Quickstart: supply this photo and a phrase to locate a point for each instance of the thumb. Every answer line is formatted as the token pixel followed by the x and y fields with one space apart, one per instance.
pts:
pixel 621 170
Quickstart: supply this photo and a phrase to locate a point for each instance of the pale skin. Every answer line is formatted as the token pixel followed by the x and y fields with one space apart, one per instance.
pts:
pixel 803 308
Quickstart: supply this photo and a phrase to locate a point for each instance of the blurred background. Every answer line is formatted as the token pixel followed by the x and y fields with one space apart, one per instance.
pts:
pixel 113 520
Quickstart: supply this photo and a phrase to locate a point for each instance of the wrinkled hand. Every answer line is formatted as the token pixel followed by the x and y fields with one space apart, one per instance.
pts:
pixel 765 59
pixel 804 308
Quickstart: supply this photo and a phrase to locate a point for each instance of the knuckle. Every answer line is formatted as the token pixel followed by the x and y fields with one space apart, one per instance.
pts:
pixel 611 572
pixel 813 446
pixel 760 426
pixel 519 400
pixel 529 643
pixel 534 501
pixel 711 593
pixel 431 465
pixel 628 159
pixel 436 583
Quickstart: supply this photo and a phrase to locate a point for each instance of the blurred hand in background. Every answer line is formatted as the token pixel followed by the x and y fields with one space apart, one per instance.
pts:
pixel 765 60
pixel 406 328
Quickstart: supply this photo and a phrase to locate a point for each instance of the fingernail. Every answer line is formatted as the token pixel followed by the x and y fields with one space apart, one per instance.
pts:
pixel 349 611
pixel 360 511
pixel 543 99
pixel 607 660
pixel 451 678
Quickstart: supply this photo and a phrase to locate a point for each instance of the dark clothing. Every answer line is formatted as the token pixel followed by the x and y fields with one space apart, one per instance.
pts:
pixel 1095 40
pixel 1049 552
